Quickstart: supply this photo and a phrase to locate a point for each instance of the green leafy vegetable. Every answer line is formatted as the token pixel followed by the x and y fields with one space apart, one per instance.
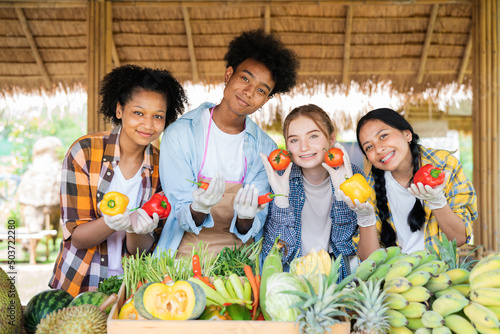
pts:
pixel 110 285
pixel 233 260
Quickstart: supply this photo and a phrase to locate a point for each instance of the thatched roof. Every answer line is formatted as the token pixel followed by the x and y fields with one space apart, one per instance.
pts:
pixel 416 44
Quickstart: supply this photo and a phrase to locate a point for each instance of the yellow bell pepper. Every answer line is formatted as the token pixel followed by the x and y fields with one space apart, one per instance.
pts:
pixel 356 187
pixel 113 203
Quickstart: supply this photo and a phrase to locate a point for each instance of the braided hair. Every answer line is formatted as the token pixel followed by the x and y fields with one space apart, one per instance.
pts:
pixel 416 217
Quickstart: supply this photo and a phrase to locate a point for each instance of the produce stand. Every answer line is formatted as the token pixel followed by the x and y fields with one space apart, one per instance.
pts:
pixel 116 326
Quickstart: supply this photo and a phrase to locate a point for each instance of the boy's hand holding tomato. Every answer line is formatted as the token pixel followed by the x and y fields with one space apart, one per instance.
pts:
pixel 428 186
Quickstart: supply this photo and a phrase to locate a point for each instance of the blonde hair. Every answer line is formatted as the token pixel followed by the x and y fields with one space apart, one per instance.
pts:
pixel 314 113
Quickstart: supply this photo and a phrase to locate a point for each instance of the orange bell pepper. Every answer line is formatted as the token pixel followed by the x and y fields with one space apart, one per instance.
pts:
pixel 113 203
pixel 356 187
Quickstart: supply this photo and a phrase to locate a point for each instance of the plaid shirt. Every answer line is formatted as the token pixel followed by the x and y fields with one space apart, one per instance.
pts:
pixel 459 193
pixel 287 224
pixel 86 174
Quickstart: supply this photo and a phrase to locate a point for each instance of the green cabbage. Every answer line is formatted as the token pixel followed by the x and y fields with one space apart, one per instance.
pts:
pixel 277 302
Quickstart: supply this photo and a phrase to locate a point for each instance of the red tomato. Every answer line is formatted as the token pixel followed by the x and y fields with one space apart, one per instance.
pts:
pixel 279 159
pixel 334 157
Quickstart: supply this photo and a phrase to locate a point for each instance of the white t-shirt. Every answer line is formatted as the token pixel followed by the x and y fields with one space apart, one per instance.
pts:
pixel 224 152
pixel 316 221
pixel 131 188
pixel 401 202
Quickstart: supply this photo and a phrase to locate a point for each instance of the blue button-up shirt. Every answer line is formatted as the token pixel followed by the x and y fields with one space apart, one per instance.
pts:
pixel 287 224
pixel 181 155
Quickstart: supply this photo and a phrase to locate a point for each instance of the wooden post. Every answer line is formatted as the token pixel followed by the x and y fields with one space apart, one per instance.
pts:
pixel 99 58
pixel 485 123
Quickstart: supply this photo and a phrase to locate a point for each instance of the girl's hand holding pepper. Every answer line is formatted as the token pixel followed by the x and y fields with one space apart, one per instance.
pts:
pixel 142 223
pixel 434 197
pixel 364 211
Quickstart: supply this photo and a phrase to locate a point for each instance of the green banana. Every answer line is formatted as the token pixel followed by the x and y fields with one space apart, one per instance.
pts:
pixel 423 330
pixel 428 258
pixel 490 279
pixel 378 256
pixel 458 275
pixel 413 259
pixel 400 330
pixel 396 301
pixel 459 324
pixel 392 252
pixel 399 269
pixel 397 285
pixel 419 278
pixel 432 319
pixel 481 315
pixel 396 318
pixel 417 294
pixel 432 267
pixel 450 303
pixel 463 288
pixel 441 330
pixel 495 309
pixel 365 269
pixel 486 330
pixel 414 310
pixel 485 265
pixel 380 272
pixel 439 282
pixel 415 324
pixel 446 291
pixel 486 296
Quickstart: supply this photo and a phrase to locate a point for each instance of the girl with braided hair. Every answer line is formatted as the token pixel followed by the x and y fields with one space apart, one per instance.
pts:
pixel 400 212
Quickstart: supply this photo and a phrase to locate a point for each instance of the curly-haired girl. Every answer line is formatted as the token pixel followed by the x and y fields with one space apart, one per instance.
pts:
pixel 141 102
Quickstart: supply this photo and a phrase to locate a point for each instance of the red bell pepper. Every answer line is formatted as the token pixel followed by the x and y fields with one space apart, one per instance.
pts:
pixel 429 175
pixel 263 199
pixel 159 204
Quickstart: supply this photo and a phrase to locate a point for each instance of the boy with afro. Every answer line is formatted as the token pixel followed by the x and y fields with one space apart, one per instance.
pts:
pixel 219 144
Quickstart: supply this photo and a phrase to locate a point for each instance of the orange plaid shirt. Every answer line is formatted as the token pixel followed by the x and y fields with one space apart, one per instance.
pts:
pixel 86 174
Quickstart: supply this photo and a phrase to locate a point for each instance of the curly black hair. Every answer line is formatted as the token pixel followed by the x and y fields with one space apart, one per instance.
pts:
pixel 122 82
pixel 267 49
pixel 416 217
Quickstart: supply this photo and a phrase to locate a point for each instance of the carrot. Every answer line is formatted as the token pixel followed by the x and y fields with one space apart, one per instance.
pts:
pixel 205 280
pixel 196 265
pixel 167 279
pixel 257 279
pixel 251 279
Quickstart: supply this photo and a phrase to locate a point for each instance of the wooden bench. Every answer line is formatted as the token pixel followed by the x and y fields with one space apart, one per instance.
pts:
pixel 22 234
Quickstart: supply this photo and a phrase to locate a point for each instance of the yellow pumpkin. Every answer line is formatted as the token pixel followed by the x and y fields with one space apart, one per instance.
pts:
pixel 181 301
pixel 128 311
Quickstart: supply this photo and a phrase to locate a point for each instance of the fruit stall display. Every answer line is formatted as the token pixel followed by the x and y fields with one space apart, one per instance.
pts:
pixel 390 292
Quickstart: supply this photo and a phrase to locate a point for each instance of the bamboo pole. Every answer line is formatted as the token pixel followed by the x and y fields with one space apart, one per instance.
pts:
pixel 495 128
pixel 347 45
pixel 427 43
pixel 36 54
pixel 465 60
pixel 483 110
pixel 190 43
pixel 109 37
pixel 267 18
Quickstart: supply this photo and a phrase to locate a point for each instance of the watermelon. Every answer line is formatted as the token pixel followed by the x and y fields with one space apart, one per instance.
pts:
pixel 91 297
pixel 44 303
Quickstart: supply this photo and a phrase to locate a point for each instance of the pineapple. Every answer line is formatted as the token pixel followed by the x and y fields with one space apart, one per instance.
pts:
pixel 448 252
pixel 319 311
pixel 370 308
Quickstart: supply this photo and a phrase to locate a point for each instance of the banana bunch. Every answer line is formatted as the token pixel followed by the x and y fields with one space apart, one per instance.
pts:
pixel 484 308
pixel 410 281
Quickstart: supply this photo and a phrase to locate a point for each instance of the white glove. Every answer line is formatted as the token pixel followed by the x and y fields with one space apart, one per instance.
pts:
pixel 433 196
pixel 142 223
pixel 364 211
pixel 120 222
pixel 246 202
pixel 338 175
pixel 279 183
pixel 203 200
